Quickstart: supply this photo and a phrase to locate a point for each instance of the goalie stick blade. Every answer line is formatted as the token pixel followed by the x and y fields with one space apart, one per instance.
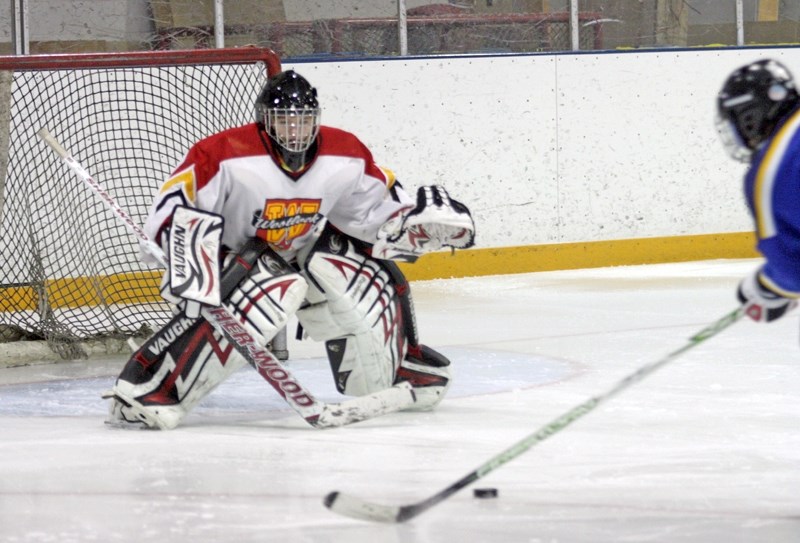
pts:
pixel 353 507
pixel 400 396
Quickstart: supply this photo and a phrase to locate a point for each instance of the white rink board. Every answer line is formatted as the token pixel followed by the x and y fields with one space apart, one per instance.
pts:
pixel 639 156
pixel 457 122
pixel 554 148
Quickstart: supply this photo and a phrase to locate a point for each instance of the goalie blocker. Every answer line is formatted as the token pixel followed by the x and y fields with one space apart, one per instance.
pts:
pixel 194 248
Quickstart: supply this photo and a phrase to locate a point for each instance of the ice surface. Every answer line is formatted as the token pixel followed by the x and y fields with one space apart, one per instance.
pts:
pixel 705 450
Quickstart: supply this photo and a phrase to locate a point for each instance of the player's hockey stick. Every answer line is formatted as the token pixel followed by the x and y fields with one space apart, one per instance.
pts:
pixel 352 506
pixel 316 413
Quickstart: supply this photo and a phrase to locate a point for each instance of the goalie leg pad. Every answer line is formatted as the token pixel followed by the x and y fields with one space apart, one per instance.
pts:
pixel 267 298
pixel 360 365
pixel 357 312
pixel 184 361
pixel 169 375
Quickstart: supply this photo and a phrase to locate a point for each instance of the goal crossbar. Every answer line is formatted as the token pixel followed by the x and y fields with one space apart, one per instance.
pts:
pixel 76 61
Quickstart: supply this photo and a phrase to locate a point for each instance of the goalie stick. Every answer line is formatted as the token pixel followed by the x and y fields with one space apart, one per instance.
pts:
pixel 318 414
pixel 354 507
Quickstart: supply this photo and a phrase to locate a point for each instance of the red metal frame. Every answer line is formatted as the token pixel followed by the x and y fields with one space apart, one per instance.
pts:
pixel 233 55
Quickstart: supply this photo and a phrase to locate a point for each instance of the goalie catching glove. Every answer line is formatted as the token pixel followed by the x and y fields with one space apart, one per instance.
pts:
pixel 763 305
pixel 436 222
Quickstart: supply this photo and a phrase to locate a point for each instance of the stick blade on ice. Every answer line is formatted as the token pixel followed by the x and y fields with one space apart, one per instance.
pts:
pixel 356 508
pixel 390 400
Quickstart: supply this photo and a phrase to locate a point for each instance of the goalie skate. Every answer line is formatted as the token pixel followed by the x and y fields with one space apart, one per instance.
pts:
pixel 128 413
pixel 428 373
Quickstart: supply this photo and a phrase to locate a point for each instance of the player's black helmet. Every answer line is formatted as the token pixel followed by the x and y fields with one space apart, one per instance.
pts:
pixel 753 100
pixel 290 112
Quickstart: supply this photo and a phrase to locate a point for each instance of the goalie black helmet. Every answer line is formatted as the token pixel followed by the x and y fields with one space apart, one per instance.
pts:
pixel 289 110
pixel 752 102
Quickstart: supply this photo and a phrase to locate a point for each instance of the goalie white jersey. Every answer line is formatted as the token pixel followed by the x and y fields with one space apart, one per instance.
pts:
pixel 234 174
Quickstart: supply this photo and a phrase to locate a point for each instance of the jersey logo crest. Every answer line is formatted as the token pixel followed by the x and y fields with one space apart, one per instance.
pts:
pixel 281 221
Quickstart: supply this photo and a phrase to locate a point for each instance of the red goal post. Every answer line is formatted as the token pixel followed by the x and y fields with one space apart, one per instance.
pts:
pixel 69 271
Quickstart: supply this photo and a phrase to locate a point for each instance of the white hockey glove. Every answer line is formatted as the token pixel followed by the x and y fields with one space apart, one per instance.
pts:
pixel 436 222
pixel 193 248
pixel 764 304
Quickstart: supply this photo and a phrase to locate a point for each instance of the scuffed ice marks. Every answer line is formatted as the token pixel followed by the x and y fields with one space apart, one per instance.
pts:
pixel 479 372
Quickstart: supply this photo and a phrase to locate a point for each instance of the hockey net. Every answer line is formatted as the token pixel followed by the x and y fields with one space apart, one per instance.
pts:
pixel 69 269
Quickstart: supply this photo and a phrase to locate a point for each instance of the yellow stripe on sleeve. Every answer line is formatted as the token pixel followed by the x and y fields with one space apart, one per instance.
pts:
pixel 185 178
pixel 389 174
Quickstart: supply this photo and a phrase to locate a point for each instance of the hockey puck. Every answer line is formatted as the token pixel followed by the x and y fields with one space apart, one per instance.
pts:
pixel 485 492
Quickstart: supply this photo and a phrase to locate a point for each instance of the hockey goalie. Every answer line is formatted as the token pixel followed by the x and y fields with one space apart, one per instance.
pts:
pixel 287 218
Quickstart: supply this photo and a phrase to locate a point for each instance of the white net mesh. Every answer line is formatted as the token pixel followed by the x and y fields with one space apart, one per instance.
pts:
pixel 69 269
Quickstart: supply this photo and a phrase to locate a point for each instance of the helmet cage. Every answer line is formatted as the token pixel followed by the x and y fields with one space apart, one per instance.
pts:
pixel 293 129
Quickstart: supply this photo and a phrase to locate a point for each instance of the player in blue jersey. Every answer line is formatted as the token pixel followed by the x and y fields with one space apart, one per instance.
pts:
pixel 758 118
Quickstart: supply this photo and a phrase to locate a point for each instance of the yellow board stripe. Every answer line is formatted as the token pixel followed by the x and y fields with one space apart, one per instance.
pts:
pixel 123 288
pixel 132 288
pixel 591 254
